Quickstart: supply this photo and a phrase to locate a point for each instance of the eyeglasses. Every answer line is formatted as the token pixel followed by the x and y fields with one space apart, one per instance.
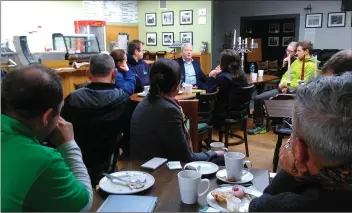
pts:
pixel 289 51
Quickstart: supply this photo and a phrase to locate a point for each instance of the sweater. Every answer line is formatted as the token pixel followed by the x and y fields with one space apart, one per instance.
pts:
pixel 126 81
pixel 141 71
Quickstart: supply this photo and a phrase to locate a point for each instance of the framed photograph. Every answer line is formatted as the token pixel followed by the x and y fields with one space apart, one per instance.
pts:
pixel 186 17
pixel 186 37
pixel 336 19
pixel 274 28
pixel 314 20
pixel 168 38
pixel 151 39
pixel 273 41
pixel 167 18
pixel 287 40
pixel 150 19
pixel 289 27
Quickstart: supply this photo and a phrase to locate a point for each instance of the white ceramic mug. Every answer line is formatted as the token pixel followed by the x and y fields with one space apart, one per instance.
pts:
pixel 254 76
pixel 189 182
pixel 218 146
pixel 188 88
pixel 146 89
pixel 234 162
pixel 260 73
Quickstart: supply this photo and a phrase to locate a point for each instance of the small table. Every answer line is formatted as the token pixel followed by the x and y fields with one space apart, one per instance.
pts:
pixel 167 190
pixel 279 108
pixel 260 81
pixel 182 96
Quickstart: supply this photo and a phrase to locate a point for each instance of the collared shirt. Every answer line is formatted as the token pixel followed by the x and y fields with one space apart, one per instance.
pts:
pixel 190 73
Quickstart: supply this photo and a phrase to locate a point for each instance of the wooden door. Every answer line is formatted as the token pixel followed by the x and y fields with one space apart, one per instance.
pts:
pixel 256 54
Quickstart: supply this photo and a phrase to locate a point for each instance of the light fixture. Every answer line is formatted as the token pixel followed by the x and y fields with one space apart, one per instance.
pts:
pixel 308 9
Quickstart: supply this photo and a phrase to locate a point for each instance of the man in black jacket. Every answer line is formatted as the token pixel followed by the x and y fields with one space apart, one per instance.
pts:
pixel 317 160
pixel 99 113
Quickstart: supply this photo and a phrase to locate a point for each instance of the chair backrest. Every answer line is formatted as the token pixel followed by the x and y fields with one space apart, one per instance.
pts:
pixel 206 106
pixel 240 98
pixel 263 65
pixel 274 64
pixel 283 97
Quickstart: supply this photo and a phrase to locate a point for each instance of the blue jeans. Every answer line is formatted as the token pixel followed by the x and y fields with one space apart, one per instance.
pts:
pixel 259 112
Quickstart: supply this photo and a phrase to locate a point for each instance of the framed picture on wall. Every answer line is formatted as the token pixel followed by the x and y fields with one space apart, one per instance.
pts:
pixel 287 40
pixel 336 19
pixel 167 18
pixel 168 38
pixel 289 28
pixel 151 39
pixel 314 20
pixel 273 41
pixel 186 37
pixel 274 28
pixel 150 19
pixel 186 17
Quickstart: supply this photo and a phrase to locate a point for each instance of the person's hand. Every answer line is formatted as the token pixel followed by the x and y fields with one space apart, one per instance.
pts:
pixel 214 72
pixel 219 153
pixel 284 90
pixel 123 66
pixel 287 160
pixel 281 85
pixel 63 133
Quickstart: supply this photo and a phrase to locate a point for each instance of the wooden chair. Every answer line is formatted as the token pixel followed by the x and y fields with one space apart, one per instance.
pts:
pixel 190 108
pixel 263 65
pixel 160 54
pixel 273 67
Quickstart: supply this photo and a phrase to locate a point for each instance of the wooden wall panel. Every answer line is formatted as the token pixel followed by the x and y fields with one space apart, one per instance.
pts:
pixel 256 54
pixel 112 32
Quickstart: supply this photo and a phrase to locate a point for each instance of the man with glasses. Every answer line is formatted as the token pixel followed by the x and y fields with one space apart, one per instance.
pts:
pixel 290 54
pixel 316 164
pixel 304 57
pixel 135 63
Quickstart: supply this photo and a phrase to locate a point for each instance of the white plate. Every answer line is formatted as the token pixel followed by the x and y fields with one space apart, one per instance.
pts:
pixel 205 168
pixel 222 207
pixel 221 175
pixel 114 188
pixel 142 94
pixel 180 92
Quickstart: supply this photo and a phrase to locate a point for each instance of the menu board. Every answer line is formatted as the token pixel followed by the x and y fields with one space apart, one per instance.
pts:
pixel 111 11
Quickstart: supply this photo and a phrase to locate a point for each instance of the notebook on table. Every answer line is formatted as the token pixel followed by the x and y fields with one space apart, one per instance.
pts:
pixel 128 203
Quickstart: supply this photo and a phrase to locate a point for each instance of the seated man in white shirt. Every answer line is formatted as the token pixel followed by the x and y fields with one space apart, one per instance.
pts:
pixel 191 71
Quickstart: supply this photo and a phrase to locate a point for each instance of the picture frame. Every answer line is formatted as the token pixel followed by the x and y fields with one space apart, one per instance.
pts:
pixel 151 39
pixel 150 19
pixel 167 18
pixel 288 28
pixel 186 17
pixel 337 19
pixel 274 28
pixel 167 38
pixel 286 40
pixel 273 41
pixel 314 20
pixel 186 37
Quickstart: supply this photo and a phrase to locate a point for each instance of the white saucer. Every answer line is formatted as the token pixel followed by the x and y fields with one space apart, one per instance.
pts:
pixel 205 168
pixel 142 94
pixel 221 175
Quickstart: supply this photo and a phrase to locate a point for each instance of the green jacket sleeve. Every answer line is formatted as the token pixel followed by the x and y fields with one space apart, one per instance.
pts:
pixel 295 76
pixel 57 189
pixel 309 73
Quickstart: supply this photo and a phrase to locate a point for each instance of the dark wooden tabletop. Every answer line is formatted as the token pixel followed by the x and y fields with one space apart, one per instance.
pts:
pixel 134 97
pixel 279 108
pixel 167 190
pixel 263 79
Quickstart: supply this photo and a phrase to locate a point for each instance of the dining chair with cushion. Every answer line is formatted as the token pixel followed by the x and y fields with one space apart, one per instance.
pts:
pixel 263 65
pixel 237 113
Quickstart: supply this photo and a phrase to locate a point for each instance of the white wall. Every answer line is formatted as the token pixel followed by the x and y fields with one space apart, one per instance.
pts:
pixel 230 13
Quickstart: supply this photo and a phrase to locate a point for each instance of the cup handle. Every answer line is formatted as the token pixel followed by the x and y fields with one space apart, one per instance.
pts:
pixel 201 181
pixel 225 149
pixel 249 165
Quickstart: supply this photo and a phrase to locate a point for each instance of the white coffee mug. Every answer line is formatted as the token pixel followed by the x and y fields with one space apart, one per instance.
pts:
pixel 189 182
pixel 260 73
pixel 234 162
pixel 146 89
pixel 218 146
pixel 188 88
pixel 254 76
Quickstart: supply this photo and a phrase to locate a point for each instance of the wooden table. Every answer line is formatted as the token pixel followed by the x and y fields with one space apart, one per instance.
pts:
pixel 279 108
pixel 261 80
pixel 166 188
pixel 183 96
pixel 71 76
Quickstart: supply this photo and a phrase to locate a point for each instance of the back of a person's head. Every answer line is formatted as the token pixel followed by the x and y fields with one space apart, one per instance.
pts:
pixel 30 91
pixel 133 46
pixel 230 61
pixel 338 63
pixel 164 75
pixel 306 45
pixel 323 117
pixel 101 65
pixel 118 55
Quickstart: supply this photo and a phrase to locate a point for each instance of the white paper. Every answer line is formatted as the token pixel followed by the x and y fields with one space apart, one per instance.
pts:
pixel 174 165
pixel 309 34
pixel 202 11
pixel 202 20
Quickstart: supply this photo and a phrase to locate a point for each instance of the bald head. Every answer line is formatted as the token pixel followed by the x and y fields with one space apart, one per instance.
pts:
pixel 30 91
pixel 339 63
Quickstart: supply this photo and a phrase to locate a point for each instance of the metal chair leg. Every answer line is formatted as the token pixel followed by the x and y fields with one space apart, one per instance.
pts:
pixel 277 152
pixel 226 135
pixel 244 129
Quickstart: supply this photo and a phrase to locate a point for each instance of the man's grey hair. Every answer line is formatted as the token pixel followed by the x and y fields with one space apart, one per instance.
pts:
pixel 293 44
pixel 323 116
pixel 101 64
pixel 339 63
pixel 183 46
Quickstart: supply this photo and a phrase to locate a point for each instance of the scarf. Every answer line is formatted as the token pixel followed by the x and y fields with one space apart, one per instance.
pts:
pixel 176 103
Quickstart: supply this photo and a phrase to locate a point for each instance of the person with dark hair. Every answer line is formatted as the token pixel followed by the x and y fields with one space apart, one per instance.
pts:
pixel 35 177
pixel 99 113
pixel 228 75
pixel 191 71
pixel 302 67
pixel 137 65
pixel 158 123
pixel 125 78
pixel 339 63
pixel 316 162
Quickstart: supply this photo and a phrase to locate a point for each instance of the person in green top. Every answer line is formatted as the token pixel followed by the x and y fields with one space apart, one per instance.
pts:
pixel 35 177
pixel 303 52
